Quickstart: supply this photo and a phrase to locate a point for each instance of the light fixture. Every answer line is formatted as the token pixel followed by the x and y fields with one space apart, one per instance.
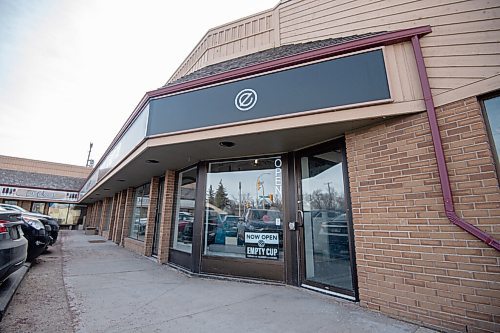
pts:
pixel 106 189
pixel 152 161
pixel 120 180
pixel 227 144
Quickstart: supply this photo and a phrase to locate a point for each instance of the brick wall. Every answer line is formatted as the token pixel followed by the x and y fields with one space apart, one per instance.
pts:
pixel 412 262
pixel 150 225
pixel 167 212
pixel 134 245
pixel 117 234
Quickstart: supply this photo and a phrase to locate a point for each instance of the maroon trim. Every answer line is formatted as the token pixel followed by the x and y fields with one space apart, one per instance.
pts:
pixel 347 47
pixel 438 148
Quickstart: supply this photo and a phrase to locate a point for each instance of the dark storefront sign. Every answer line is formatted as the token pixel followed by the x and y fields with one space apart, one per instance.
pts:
pixel 343 81
pixel 262 245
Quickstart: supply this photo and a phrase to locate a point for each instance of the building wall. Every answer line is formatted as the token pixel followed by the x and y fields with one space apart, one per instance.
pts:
pixel 462 54
pixel 462 49
pixel 27 165
pixel 412 262
pixel 247 35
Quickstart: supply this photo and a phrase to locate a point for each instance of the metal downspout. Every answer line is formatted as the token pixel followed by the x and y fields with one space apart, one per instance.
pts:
pixel 438 148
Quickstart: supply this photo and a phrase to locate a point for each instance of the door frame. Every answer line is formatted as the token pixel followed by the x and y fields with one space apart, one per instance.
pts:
pixel 322 148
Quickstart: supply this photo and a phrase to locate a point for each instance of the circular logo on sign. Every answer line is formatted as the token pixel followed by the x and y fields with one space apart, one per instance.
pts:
pixel 261 243
pixel 246 99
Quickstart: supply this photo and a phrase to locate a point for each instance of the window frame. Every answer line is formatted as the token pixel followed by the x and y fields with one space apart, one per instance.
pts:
pixel 491 139
pixel 133 215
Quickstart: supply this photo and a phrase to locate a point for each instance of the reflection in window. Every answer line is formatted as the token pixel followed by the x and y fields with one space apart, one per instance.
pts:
pixel 140 212
pixel 492 113
pixel 59 212
pixel 242 196
pixel 38 207
pixel 184 213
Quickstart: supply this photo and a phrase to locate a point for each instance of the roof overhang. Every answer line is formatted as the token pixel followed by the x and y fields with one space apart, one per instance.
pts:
pixel 269 137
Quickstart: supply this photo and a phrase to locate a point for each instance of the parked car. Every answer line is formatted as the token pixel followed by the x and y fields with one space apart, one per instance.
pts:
pixel 51 225
pixel 212 221
pixel 260 220
pixel 336 232
pixel 227 226
pixel 35 232
pixel 184 219
pixel 13 245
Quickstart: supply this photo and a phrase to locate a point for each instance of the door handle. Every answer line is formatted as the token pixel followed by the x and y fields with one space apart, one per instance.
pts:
pixel 299 223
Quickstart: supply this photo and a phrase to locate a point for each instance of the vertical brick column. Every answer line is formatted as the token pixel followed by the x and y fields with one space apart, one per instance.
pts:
pixel 114 205
pixel 88 216
pixel 105 211
pixel 127 216
pixel 99 212
pixel 150 225
pixel 94 214
pixel 117 235
pixel 166 216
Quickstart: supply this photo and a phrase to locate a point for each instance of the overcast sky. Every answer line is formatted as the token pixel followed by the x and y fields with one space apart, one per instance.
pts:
pixel 72 71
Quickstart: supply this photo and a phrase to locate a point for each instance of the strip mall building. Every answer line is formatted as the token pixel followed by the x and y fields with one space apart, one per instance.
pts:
pixel 346 147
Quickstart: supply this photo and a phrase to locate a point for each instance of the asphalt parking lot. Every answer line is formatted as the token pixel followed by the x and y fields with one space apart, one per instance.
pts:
pixel 96 286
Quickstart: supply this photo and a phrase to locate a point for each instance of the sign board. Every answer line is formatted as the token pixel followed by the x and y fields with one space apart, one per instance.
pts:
pixel 262 245
pixel 37 194
pixel 348 80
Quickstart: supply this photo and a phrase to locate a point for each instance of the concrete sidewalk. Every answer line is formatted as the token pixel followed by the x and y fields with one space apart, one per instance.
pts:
pixel 111 289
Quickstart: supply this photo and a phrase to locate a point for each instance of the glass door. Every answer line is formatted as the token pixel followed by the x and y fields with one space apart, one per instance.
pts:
pixel 327 235
pixel 156 233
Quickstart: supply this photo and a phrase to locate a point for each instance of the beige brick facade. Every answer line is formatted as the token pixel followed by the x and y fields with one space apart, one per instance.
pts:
pixel 167 214
pixel 412 262
pixel 150 225
pixel 127 214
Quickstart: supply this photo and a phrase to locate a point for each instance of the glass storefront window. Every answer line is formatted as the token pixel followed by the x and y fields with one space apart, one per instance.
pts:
pixel 492 115
pixel 244 200
pixel 38 207
pixel 140 212
pixel 59 212
pixel 184 213
pixel 65 213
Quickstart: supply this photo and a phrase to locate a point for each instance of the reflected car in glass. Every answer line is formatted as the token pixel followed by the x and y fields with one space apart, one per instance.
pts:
pixel 13 245
pixel 336 231
pixel 257 220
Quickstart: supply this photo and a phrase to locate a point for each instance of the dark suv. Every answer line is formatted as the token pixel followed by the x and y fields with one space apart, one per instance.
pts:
pixel 13 246
pixel 258 220
pixel 51 225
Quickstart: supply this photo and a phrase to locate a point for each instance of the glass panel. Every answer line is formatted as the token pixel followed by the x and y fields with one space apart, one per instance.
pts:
pixel 59 212
pixel 325 220
pixel 75 214
pixel 244 198
pixel 38 207
pixel 140 213
pixel 184 214
pixel 134 134
pixel 492 109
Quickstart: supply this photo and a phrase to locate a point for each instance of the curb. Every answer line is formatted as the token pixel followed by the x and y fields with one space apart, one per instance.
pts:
pixel 8 287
